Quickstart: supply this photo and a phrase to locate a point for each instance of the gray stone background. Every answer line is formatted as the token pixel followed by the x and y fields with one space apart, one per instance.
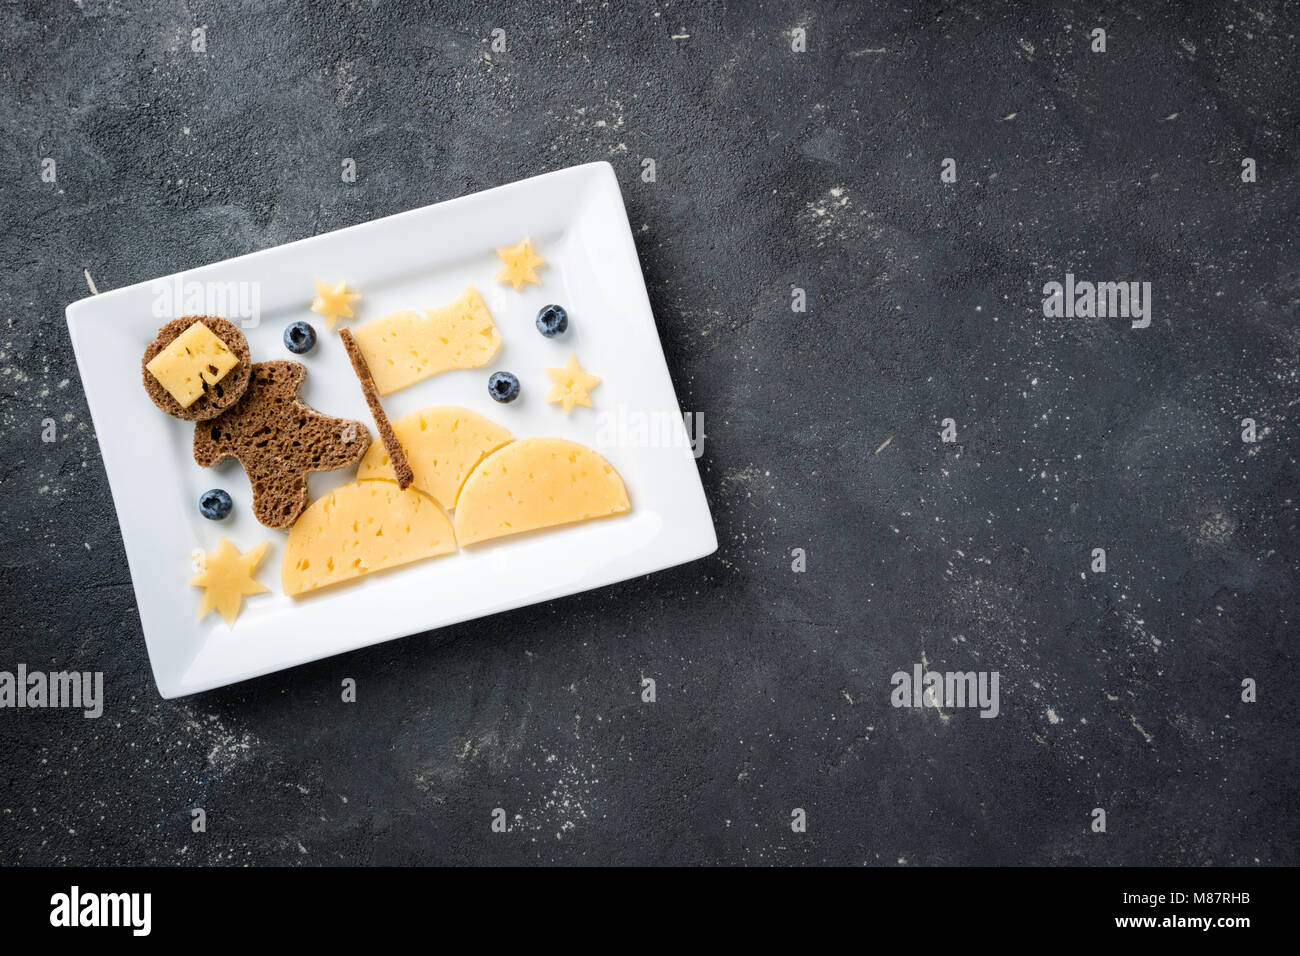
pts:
pixel 775 169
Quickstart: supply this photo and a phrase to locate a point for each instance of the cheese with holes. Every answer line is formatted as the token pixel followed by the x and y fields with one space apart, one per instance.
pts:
pixel 360 528
pixel 537 483
pixel 406 347
pixel 442 444
pixel 194 358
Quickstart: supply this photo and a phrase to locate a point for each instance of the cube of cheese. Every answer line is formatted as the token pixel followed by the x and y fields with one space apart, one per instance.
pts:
pixel 195 357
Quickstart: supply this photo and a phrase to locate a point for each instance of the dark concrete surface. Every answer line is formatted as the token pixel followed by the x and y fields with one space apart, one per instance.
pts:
pixel 775 169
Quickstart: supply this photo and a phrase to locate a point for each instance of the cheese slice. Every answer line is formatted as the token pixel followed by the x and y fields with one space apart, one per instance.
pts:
pixel 360 528
pixel 537 483
pixel 406 347
pixel 521 264
pixel 195 357
pixel 226 576
pixel 442 444
pixel 570 385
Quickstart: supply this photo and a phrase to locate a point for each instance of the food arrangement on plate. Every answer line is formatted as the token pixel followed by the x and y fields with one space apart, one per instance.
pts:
pixel 438 479
pixel 423 425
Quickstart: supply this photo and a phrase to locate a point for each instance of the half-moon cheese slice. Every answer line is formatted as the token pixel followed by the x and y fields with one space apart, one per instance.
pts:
pixel 536 483
pixel 360 528
pixel 442 443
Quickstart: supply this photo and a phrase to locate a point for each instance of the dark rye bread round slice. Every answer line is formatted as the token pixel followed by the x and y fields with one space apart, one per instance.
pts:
pixel 215 398
pixel 279 439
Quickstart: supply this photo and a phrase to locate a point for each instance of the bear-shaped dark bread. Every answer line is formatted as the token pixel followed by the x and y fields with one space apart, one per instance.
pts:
pixel 279 440
pixel 215 398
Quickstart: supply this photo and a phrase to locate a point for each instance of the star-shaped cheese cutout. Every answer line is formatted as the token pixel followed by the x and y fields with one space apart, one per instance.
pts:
pixel 226 577
pixel 570 385
pixel 334 301
pixel 521 264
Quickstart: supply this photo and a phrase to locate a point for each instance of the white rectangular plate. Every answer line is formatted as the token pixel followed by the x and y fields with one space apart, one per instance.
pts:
pixel 415 260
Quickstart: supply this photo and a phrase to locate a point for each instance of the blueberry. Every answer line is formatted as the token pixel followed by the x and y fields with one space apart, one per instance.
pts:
pixel 215 504
pixel 552 320
pixel 299 338
pixel 503 386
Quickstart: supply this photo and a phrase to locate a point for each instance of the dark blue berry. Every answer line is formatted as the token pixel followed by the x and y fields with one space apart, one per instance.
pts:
pixel 503 386
pixel 299 338
pixel 552 320
pixel 215 504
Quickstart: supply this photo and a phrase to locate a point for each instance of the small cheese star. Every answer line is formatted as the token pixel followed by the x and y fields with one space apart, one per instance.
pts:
pixel 521 264
pixel 570 385
pixel 333 301
pixel 226 577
